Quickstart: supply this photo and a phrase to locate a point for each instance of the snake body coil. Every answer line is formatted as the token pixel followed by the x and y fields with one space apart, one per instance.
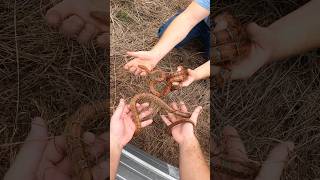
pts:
pixel 154 99
pixel 76 148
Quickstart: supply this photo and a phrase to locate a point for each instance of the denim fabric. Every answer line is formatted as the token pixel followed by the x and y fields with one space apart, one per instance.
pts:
pixel 201 31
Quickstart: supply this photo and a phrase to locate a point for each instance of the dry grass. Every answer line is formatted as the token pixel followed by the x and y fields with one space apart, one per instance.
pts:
pixel 134 25
pixel 45 75
pixel 280 102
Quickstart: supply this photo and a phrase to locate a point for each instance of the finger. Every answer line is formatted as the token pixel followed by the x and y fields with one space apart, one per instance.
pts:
pixel 146 123
pixel 186 83
pixel 175 83
pixel 119 110
pixel 174 106
pixel 58 13
pixel 54 154
pixel 140 107
pixel 72 26
pixel 126 109
pixel 87 33
pixel 145 113
pixel 183 107
pixel 272 168
pixel 134 54
pixel 137 71
pixel 101 171
pixel 165 120
pixel 128 65
pixel 172 117
pixel 143 73
pixel 234 145
pixel 132 69
pixel 100 145
pixel 179 68
pixel 29 156
pixel 195 115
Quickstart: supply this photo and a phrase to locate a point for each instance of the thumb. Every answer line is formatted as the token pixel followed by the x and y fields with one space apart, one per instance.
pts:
pixel 136 54
pixel 118 112
pixel 272 168
pixel 27 161
pixel 190 79
pixel 195 115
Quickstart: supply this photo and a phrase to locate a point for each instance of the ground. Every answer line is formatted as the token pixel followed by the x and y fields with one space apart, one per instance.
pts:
pixel 280 102
pixel 134 26
pixel 55 75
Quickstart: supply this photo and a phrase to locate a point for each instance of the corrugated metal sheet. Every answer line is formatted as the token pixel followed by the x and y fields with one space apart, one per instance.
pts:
pixel 135 164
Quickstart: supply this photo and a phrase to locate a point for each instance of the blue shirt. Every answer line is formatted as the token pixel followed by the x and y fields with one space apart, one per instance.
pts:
pixel 204 3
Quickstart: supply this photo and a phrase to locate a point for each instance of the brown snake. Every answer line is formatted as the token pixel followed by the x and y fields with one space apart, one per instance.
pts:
pixel 167 78
pixel 76 149
pixel 150 97
pixel 155 95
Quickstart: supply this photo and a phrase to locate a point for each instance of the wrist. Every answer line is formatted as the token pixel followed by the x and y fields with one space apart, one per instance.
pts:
pixel 115 145
pixel 157 55
pixel 196 74
pixel 190 141
pixel 274 46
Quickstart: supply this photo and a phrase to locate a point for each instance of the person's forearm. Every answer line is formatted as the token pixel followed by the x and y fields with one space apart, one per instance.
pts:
pixel 203 71
pixel 179 29
pixel 192 163
pixel 297 32
pixel 115 153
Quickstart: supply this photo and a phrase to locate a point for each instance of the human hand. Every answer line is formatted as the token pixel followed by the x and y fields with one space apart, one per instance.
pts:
pixel 192 76
pixel 149 59
pixel 184 131
pixel 262 43
pixel 122 126
pixel 231 154
pixel 41 158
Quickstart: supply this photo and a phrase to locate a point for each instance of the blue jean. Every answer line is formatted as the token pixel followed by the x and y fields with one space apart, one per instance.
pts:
pixel 201 31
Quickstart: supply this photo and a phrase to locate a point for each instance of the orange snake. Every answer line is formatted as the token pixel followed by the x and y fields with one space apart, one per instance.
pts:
pixel 81 162
pixel 168 79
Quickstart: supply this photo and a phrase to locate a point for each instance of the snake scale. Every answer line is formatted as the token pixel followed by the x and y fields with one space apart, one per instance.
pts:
pixel 81 161
pixel 151 98
pixel 154 96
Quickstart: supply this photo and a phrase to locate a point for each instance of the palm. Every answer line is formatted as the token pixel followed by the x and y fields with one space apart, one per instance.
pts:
pixel 247 66
pixel 185 131
pixel 148 59
pixel 231 154
pixel 122 126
